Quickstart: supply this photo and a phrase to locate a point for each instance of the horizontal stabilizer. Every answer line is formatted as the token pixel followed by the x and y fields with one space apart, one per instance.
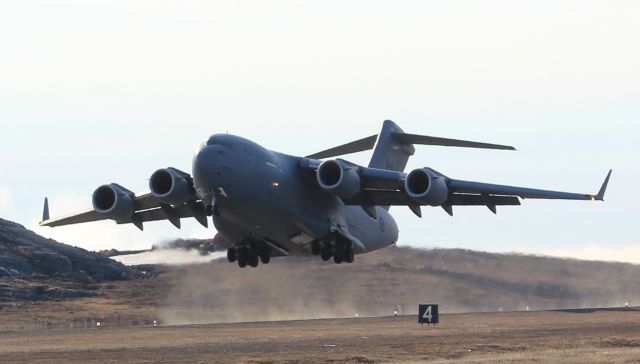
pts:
pixel 444 142
pixel 354 147
pixel 400 138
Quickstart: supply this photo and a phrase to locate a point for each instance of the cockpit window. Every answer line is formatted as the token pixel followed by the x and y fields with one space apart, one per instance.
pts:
pixel 216 140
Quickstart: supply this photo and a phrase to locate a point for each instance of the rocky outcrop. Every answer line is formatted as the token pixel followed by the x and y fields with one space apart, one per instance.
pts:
pixel 25 253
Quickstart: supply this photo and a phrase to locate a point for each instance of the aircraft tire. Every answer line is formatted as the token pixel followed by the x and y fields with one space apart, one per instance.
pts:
pixel 253 261
pixel 349 256
pixel 232 255
pixel 316 248
pixel 339 253
pixel 243 256
pixel 265 257
pixel 326 253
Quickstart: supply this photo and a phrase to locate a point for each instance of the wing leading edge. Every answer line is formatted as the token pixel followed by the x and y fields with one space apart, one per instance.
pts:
pixel 387 188
pixel 525 193
pixel 147 208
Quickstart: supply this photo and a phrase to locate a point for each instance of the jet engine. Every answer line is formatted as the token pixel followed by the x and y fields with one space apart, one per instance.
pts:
pixel 426 187
pixel 171 186
pixel 339 179
pixel 114 201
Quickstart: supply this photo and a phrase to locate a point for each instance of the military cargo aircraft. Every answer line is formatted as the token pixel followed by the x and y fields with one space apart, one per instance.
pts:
pixel 267 204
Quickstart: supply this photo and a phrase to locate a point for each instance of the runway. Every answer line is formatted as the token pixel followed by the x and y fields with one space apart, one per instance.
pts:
pixel 608 335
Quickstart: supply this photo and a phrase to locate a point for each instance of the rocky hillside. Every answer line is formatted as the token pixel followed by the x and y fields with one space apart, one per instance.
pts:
pixel 24 253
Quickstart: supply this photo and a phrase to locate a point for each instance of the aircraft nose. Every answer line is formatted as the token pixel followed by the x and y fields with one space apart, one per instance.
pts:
pixel 204 168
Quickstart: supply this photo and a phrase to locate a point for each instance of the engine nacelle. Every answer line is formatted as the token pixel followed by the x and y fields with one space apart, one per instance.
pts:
pixel 338 178
pixel 171 186
pixel 426 187
pixel 114 201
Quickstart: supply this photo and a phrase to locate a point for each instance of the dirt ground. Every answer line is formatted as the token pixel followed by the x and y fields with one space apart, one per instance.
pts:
pixel 599 336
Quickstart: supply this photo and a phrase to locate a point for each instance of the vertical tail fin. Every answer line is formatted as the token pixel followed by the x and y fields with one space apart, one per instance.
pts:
pixel 391 153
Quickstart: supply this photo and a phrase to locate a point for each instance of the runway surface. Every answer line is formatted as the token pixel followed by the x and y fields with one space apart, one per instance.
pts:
pixel 574 336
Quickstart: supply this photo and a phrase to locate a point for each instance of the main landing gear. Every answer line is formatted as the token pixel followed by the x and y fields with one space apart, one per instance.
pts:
pixel 341 250
pixel 248 256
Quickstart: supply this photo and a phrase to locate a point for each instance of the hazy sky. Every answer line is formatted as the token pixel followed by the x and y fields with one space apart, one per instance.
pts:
pixel 93 92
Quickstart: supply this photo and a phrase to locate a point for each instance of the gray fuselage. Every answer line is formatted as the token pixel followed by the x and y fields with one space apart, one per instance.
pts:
pixel 264 195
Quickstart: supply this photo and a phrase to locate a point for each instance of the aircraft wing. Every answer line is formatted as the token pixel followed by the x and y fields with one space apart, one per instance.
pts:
pixel 522 192
pixel 468 193
pixel 387 188
pixel 147 208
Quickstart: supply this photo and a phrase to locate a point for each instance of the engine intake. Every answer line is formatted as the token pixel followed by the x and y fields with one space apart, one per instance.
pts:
pixel 338 178
pixel 171 186
pixel 114 201
pixel 426 187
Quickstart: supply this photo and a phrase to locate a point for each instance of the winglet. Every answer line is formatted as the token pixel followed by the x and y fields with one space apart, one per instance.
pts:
pixel 45 211
pixel 603 189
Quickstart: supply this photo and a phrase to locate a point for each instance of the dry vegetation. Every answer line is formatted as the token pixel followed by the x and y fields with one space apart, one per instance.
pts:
pixel 471 338
pixel 59 325
pixel 460 281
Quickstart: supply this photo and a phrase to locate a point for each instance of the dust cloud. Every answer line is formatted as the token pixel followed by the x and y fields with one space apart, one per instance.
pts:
pixel 223 293
pixel 168 257
pixel 174 252
pixel 458 280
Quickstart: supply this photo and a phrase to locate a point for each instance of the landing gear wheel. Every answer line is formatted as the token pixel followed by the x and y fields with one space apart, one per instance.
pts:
pixel 349 257
pixel 232 255
pixel 339 253
pixel 326 253
pixel 265 257
pixel 253 261
pixel 243 256
pixel 316 248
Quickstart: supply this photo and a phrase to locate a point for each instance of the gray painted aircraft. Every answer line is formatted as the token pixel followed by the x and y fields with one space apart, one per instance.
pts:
pixel 267 204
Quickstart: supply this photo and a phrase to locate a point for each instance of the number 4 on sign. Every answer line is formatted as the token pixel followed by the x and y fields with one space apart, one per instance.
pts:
pixel 428 315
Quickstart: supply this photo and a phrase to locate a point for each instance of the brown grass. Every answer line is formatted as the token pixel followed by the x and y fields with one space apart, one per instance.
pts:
pixel 490 338
pixel 287 289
